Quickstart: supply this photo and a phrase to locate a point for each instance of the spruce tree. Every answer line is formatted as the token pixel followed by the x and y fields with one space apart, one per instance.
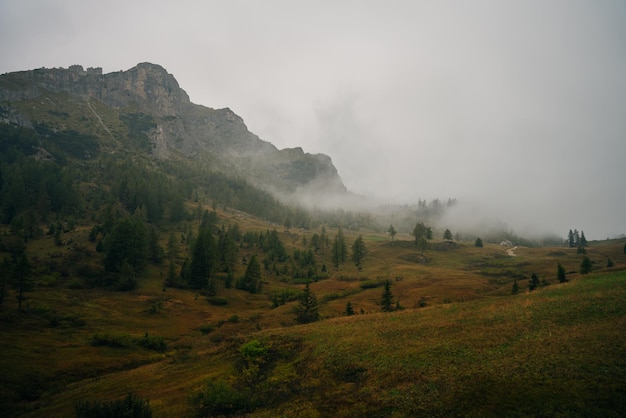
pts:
pixel 307 310
pixel 515 289
pixel 386 300
pixel 533 283
pixel 203 260
pixel 251 280
pixel 392 232
pixel 585 266
pixel 338 251
pixel 358 252
pixel 447 235
pixel 349 310
pixel 583 240
pixel 560 273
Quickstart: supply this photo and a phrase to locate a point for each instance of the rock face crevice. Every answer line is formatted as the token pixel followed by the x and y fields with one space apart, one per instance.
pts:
pixel 180 127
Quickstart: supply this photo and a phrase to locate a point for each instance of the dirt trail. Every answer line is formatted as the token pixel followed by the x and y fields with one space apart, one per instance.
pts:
pixel 511 252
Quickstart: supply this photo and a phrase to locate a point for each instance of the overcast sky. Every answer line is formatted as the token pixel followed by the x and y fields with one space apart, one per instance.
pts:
pixel 515 108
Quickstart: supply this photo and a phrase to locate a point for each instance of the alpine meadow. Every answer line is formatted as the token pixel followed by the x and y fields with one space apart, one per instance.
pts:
pixel 158 259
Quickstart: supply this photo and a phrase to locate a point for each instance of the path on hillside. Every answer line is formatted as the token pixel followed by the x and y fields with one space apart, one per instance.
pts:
pixel 511 252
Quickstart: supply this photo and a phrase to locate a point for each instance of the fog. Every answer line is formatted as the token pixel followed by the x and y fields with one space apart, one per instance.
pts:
pixel 516 109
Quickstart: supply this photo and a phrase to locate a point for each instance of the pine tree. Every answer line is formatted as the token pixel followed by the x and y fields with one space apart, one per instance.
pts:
pixel 251 280
pixel 307 310
pixel 585 266
pixel 447 235
pixel 583 240
pixel 349 310
pixel 338 250
pixel 560 273
pixel 392 231
pixel 515 289
pixel 570 239
pixel 203 260
pixel 358 252
pixel 478 243
pixel 386 300
pixel 533 283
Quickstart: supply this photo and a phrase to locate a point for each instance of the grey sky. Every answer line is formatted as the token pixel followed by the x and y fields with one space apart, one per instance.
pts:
pixel 514 107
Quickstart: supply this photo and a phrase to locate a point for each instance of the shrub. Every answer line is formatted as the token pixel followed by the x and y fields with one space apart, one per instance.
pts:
pixel 206 328
pixel 111 340
pixel 218 398
pixel 372 284
pixel 217 301
pixel 152 343
pixel 131 406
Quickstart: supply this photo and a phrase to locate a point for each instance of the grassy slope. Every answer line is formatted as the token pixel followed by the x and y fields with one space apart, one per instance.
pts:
pixel 556 350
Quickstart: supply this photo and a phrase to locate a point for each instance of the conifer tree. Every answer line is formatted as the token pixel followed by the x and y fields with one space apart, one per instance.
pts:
pixel 386 300
pixel 307 309
pixel 358 252
pixel 560 273
pixel 338 250
pixel 447 235
pixel 515 289
pixel 392 231
pixel 251 280
pixel 422 234
pixel 585 266
pixel 533 283
pixel 203 260
pixel 349 309
pixel 570 239
pixel 583 240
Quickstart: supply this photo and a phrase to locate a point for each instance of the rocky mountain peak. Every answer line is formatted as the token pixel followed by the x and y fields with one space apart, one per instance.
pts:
pixel 151 103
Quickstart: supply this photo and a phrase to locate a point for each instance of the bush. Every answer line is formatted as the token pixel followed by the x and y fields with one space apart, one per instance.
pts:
pixel 206 329
pixel 218 398
pixel 372 284
pixel 131 406
pixel 217 301
pixel 152 343
pixel 111 340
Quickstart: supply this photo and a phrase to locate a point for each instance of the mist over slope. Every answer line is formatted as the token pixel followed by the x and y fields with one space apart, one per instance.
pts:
pixel 145 107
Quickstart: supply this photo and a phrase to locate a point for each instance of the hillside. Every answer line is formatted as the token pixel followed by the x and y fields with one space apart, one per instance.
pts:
pixel 462 344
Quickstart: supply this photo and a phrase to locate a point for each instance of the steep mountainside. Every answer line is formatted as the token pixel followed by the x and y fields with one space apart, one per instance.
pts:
pixel 144 109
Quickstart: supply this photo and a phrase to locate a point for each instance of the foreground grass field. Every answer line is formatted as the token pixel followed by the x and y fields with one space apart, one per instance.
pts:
pixel 462 345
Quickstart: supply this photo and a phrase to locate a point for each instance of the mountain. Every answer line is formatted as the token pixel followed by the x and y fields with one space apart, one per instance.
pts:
pixel 143 110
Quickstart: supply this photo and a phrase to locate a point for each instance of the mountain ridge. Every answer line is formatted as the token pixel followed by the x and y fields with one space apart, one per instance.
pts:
pixel 173 125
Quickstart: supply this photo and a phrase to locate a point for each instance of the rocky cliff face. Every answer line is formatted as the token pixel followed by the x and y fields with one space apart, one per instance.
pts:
pixel 177 128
